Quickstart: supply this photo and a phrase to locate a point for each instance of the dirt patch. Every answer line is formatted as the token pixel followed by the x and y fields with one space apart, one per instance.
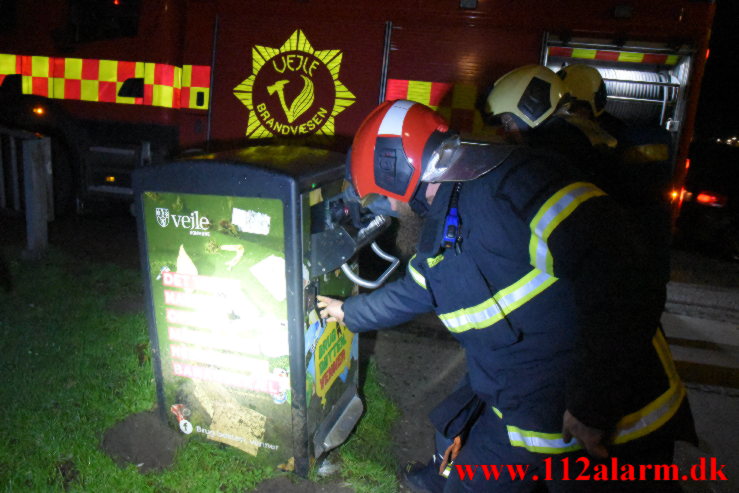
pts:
pixel 68 472
pixel 143 440
pixel 418 364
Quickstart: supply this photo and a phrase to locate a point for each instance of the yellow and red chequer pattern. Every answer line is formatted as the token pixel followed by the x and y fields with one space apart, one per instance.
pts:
pixel 614 56
pixel 455 102
pixel 88 79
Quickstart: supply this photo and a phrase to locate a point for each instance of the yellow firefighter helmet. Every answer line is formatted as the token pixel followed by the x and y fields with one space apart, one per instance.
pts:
pixel 584 83
pixel 531 93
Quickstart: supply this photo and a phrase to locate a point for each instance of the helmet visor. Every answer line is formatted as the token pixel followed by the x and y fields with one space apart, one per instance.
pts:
pixel 463 161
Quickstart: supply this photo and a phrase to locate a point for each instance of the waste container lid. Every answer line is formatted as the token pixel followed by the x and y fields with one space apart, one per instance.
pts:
pixel 304 164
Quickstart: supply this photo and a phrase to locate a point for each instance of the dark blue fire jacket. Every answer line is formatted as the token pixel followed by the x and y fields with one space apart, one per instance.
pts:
pixel 551 298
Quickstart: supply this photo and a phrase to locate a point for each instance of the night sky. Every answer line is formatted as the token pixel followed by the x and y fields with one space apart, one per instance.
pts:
pixel 718 108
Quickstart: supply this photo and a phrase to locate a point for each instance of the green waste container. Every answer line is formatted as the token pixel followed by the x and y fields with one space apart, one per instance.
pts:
pixel 234 248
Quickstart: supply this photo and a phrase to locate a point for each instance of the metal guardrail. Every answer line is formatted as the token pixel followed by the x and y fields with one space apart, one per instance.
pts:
pixel 26 183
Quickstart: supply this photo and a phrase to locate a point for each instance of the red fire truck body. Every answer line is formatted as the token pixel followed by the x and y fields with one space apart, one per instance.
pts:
pixel 124 83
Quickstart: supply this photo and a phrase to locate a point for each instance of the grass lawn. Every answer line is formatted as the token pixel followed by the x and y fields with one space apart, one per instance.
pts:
pixel 74 361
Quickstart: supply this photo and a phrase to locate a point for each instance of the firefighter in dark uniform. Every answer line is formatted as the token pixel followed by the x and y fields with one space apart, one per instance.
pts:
pixel 638 174
pixel 571 129
pixel 535 272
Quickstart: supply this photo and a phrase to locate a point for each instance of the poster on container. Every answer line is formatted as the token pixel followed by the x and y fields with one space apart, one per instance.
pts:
pixel 217 270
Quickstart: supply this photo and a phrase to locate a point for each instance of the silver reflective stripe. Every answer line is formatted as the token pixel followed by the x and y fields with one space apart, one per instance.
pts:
pixel 654 419
pixel 555 210
pixel 392 123
pixel 546 443
pixel 660 410
pixel 501 303
pixel 417 276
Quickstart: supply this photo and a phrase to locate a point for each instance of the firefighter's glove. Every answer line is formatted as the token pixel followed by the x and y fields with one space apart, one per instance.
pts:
pixel 451 453
pixel 332 310
pixel 590 438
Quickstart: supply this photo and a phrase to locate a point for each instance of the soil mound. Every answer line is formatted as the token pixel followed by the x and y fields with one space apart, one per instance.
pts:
pixel 144 440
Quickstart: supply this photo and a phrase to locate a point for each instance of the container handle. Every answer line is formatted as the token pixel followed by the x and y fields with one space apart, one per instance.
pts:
pixel 394 262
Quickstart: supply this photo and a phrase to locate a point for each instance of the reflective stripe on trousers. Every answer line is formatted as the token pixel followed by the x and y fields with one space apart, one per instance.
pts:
pixel 630 427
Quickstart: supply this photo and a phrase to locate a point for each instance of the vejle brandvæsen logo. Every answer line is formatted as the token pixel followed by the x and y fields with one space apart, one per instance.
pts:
pixel 294 90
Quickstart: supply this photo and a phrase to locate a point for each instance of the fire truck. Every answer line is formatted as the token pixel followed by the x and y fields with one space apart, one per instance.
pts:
pixel 120 84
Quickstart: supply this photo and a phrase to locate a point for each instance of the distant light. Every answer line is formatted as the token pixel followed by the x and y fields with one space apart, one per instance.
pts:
pixel 708 53
pixel 674 195
pixel 711 199
pixel 116 2
pixel 39 110
pixel 687 164
pixel 110 179
pixel 729 141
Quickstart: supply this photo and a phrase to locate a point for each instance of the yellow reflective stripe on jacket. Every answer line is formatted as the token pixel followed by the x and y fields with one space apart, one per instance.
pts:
pixel 555 210
pixel 417 276
pixel 494 309
pixel 433 262
pixel 630 427
pixel 543 443
pixel 659 411
pixel 552 213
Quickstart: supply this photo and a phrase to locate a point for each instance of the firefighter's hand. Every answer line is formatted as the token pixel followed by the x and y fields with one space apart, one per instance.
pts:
pixel 332 310
pixel 451 453
pixel 590 438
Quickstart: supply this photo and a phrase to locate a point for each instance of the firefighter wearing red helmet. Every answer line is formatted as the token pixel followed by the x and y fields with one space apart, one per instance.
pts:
pixel 402 146
pixel 536 274
pixel 394 138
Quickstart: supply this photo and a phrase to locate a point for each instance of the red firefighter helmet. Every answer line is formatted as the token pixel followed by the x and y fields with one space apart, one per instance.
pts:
pixel 393 148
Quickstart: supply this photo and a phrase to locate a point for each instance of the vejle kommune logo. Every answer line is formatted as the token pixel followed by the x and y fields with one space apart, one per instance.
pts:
pixel 197 224
pixel 294 90
pixel 162 216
